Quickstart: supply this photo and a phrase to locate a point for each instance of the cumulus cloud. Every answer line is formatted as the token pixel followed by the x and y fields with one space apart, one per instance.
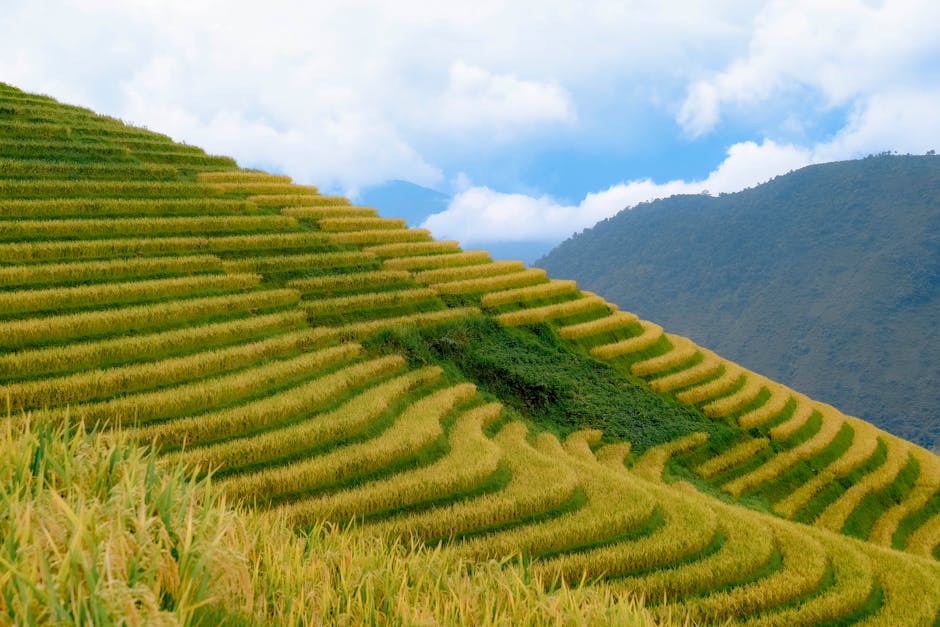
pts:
pixel 845 52
pixel 477 99
pixel 479 214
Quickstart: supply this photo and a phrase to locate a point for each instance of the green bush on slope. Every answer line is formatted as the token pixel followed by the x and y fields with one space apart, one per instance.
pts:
pixel 555 386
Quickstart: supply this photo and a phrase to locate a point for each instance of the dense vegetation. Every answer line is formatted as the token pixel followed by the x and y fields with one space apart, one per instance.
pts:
pixel 827 279
pixel 331 366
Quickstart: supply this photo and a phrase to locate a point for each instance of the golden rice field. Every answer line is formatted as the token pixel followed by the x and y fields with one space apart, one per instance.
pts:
pixel 237 323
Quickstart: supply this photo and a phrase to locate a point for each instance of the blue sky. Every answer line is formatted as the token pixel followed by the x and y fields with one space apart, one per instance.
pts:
pixel 538 117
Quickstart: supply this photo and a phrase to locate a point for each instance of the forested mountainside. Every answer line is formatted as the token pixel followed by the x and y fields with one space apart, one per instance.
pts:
pixel 826 279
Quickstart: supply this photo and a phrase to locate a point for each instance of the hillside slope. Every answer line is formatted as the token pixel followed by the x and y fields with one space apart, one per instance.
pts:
pixel 330 364
pixel 827 279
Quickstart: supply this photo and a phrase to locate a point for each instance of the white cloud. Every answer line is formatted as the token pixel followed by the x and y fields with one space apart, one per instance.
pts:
pixel 476 99
pixel 844 51
pixel 479 214
pixel 903 120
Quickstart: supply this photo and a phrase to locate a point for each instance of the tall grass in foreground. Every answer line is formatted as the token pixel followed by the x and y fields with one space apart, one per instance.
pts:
pixel 95 531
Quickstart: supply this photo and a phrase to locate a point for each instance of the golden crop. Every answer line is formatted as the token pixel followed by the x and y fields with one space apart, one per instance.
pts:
pixel 732 457
pixel 112 269
pixel 682 350
pixel 305 261
pixel 927 483
pixel 31 331
pixel 19 302
pixel 550 312
pixel 864 443
pixel 422 259
pixel 460 273
pixel 492 284
pixel 417 427
pixel 536 292
pixel 831 425
pixel 128 348
pixel 709 364
pixel 350 417
pixel 650 334
pixel 835 515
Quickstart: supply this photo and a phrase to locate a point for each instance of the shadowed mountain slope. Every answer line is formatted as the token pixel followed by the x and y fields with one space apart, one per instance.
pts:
pixel 826 279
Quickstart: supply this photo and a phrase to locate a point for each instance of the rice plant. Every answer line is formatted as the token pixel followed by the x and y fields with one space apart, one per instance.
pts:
pixel 831 425
pixel 319 213
pixel 835 515
pixel 50 188
pixel 25 252
pixel 350 417
pixel 43 168
pixel 747 547
pixel 803 566
pixel 414 249
pixel 341 225
pixel 732 457
pixel 307 261
pixel 651 334
pixel 350 282
pixel 91 384
pixel 662 546
pixel 852 572
pixel 417 427
pixel 802 412
pixel 18 334
pixel 535 292
pixel 652 462
pixel 734 402
pixel 128 348
pixel 380 236
pixel 95 271
pixel 682 350
pixel 92 228
pixel 722 384
pixel 360 330
pixel 780 397
pixel 296 200
pixel 927 483
pixel 925 539
pixel 544 313
pixel 471 458
pixel 709 365
pixel 493 284
pixel 368 300
pixel 460 273
pixel 200 396
pixel 526 494
pixel 242 176
pixel 260 187
pixel 95 207
pixel 864 442
pixel 423 260
pixel 274 408
pixel 614 506
pixel 18 302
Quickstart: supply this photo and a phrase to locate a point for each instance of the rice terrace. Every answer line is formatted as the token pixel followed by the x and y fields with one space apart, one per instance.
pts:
pixel 231 399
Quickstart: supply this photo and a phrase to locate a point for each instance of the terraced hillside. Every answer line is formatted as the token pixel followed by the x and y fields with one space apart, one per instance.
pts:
pixel 331 364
